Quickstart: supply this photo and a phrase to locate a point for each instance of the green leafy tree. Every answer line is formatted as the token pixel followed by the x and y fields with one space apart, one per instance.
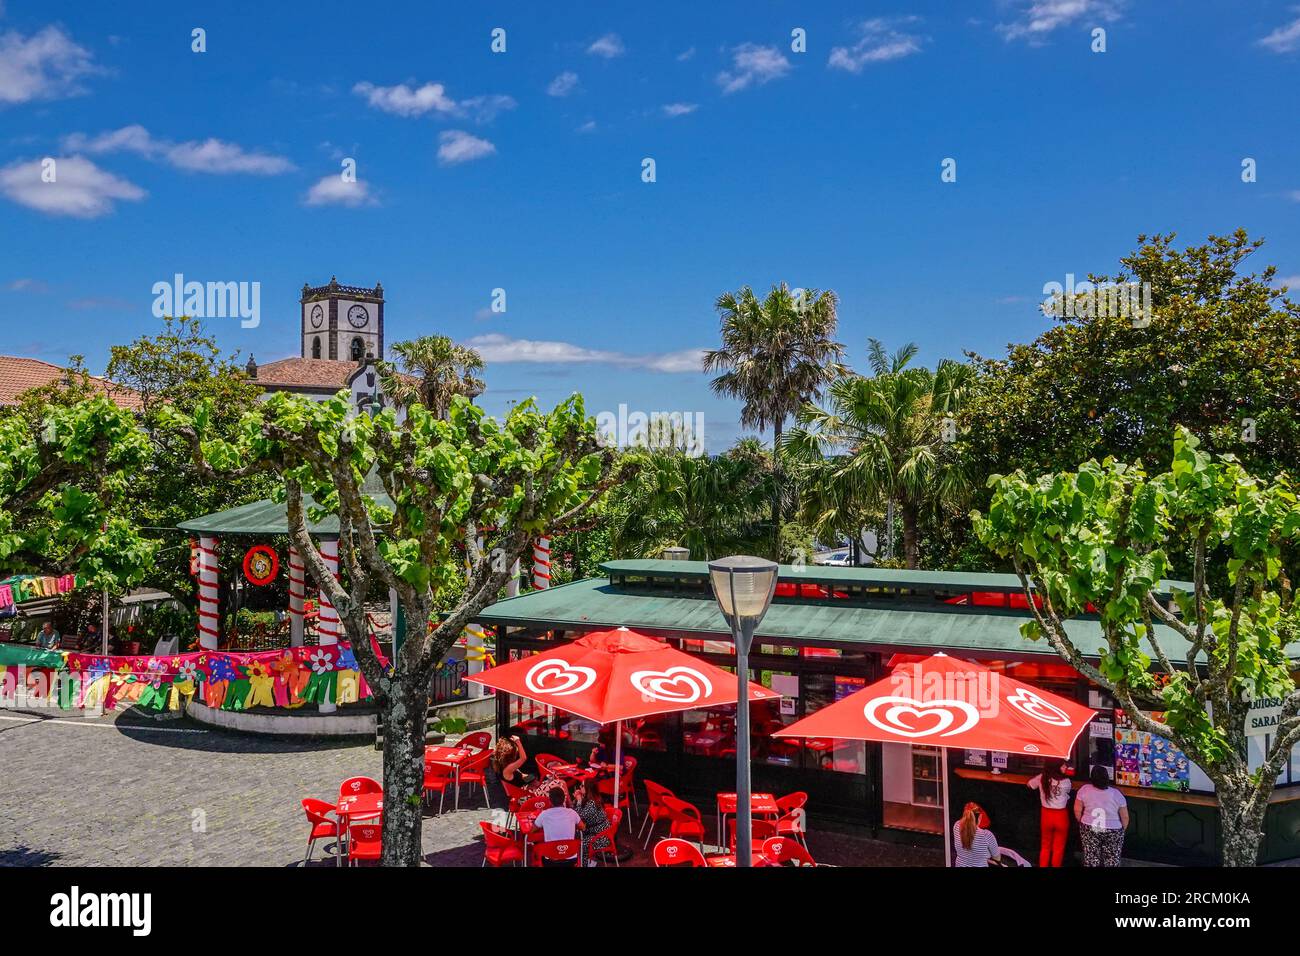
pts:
pixel 445 476
pixel 1102 536
pixel 776 354
pixel 1218 353
pixel 712 506
pixel 62 478
pixel 180 369
pixel 887 438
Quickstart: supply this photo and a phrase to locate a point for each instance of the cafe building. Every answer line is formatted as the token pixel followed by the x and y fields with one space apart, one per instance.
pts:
pixel 831 631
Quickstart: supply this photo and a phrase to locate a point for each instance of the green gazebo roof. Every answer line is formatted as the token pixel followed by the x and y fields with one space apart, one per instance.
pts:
pixel 272 517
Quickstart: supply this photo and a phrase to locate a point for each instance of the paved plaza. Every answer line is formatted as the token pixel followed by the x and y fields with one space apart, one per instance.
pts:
pixel 126 790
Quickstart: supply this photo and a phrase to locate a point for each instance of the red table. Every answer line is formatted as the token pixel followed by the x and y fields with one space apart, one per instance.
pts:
pixel 362 806
pixel 760 805
pixel 454 757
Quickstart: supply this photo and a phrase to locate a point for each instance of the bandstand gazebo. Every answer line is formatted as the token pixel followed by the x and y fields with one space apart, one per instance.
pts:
pixel 263 519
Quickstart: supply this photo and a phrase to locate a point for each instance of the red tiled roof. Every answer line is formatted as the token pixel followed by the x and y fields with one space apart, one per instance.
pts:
pixel 305 372
pixel 17 375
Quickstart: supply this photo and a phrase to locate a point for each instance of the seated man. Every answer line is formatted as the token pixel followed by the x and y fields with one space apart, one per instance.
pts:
pixel 559 822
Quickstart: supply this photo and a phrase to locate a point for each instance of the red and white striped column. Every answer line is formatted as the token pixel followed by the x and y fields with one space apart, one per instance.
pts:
pixel 297 597
pixel 328 624
pixel 209 594
pixel 542 563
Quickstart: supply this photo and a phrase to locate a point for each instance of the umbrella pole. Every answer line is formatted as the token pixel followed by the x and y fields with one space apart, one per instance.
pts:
pixel 618 759
pixel 947 830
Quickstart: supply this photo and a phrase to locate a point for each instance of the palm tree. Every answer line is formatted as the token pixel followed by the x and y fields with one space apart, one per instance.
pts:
pixel 711 506
pixel 885 440
pixel 776 354
pixel 436 370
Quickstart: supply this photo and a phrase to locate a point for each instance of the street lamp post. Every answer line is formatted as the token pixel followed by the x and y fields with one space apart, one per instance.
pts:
pixel 743 587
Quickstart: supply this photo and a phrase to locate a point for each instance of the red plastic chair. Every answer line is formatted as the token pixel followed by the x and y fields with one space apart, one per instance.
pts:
pixel 364 843
pixel 793 821
pixel 557 851
pixel 437 779
pixel 655 809
pixel 321 825
pixel 674 852
pixel 475 772
pixel 499 847
pixel 782 851
pixel 355 785
pixel 615 817
pixel 626 782
pixel 480 740
pixel 762 830
pixel 544 762
pixel 685 821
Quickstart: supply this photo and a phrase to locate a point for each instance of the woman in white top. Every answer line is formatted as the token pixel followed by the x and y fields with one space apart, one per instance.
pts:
pixel 974 844
pixel 1102 813
pixel 1053 788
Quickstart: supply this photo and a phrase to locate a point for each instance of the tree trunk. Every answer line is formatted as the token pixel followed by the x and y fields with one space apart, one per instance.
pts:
pixel 911 544
pixel 777 428
pixel 406 712
pixel 1241 831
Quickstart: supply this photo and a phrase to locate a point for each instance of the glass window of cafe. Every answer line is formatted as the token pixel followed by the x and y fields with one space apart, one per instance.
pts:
pixel 808 679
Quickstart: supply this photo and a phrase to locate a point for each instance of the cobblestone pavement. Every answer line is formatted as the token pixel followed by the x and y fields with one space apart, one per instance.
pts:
pixel 126 790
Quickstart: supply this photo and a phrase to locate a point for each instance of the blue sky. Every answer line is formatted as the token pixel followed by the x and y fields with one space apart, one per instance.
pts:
pixel 522 170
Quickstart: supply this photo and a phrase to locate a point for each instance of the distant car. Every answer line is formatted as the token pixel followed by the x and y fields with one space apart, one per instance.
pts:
pixel 838 559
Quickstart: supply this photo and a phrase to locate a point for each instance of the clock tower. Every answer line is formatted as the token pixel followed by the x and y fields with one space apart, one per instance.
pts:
pixel 342 322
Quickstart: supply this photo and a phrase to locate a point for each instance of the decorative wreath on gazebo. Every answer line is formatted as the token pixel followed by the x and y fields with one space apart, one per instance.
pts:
pixel 261 564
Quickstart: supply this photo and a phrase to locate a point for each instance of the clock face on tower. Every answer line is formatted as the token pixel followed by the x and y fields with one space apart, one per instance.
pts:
pixel 358 316
pixel 317 317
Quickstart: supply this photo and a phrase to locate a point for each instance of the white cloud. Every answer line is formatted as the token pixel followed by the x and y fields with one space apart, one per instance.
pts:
pixel 1285 39
pixel 80 188
pixel 1291 282
pixel 673 110
pixel 1041 17
pixel 334 190
pixel 503 349
pixel 459 146
pixel 587 127
pixel 880 40
pixel 28 285
pixel 685 55
pixel 44 66
pixel 405 100
pixel 753 65
pixel 563 85
pixel 211 155
pixel 608 46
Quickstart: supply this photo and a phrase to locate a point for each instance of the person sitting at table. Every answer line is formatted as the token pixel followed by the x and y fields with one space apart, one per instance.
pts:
pixel 559 822
pixel 974 843
pixel 508 761
pixel 586 800
pixel 603 752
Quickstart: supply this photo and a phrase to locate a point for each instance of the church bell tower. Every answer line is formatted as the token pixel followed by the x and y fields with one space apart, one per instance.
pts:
pixel 342 322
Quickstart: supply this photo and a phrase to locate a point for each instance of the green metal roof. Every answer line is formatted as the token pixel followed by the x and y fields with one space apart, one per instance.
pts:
pixel 904 626
pixel 870 577
pixel 272 517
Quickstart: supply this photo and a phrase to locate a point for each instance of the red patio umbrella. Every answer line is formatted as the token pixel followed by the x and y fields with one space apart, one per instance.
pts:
pixel 613 676
pixel 946 702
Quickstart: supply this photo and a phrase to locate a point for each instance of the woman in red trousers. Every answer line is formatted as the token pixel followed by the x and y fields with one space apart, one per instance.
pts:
pixel 1054 794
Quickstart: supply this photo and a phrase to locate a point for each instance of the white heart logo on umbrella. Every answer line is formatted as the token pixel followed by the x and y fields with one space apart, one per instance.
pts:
pixel 556 678
pixel 1031 705
pixel 943 714
pixel 676 685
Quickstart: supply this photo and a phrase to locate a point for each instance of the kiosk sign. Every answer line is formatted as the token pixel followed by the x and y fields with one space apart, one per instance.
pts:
pixel 1263 716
